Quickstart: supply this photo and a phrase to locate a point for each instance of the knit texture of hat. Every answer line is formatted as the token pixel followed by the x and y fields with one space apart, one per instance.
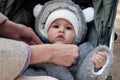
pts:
pixel 64 14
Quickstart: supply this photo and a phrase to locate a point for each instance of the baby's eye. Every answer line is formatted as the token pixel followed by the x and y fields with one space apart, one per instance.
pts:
pixel 68 28
pixel 56 26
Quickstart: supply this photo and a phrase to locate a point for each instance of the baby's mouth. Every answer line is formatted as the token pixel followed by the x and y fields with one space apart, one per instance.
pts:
pixel 60 38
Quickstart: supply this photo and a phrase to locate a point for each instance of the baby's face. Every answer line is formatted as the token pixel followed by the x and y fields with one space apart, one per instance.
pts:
pixel 61 31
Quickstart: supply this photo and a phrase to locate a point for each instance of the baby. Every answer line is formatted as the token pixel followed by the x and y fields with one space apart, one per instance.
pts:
pixel 66 24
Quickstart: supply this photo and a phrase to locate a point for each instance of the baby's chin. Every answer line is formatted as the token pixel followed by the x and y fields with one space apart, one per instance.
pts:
pixel 62 42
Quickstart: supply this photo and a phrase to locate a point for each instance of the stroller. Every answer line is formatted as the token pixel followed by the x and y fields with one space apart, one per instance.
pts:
pixel 101 30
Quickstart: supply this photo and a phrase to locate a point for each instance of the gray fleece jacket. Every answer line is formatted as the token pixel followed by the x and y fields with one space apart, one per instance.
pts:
pixel 83 70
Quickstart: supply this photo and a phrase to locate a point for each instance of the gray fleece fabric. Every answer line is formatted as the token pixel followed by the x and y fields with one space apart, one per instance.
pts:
pixel 83 70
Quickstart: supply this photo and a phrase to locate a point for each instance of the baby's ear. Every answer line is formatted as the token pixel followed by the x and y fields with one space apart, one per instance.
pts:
pixel 36 10
pixel 88 14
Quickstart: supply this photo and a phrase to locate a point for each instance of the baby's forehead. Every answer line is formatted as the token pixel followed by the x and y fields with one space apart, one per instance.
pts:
pixel 62 21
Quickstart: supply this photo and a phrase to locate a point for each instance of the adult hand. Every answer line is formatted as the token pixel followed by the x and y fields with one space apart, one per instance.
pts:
pixel 20 32
pixel 65 54
pixel 61 54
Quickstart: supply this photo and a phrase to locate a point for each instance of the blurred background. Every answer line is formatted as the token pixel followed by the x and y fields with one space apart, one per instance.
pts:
pixel 116 65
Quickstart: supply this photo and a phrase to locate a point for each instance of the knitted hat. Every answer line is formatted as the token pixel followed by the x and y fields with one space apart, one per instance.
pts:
pixel 65 14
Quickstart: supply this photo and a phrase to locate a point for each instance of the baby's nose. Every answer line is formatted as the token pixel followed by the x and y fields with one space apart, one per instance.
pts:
pixel 62 29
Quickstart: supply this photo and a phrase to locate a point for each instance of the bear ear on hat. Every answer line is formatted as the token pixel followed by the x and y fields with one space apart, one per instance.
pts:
pixel 88 14
pixel 36 10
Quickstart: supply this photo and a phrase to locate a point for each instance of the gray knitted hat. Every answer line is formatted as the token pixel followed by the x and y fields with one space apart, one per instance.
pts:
pixel 44 18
